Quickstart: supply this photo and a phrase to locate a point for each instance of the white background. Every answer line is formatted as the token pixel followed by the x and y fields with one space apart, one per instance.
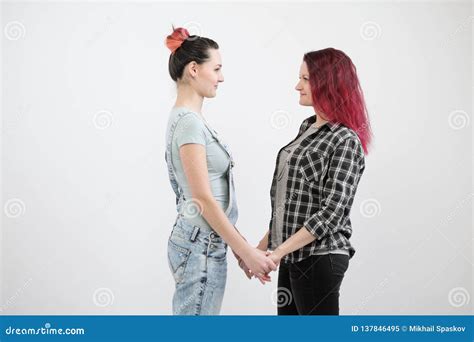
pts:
pixel 87 206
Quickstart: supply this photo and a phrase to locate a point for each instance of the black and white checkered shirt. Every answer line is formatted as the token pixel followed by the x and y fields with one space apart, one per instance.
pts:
pixel 323 174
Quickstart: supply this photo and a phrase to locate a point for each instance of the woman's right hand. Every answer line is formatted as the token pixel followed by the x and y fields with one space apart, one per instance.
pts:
pixel 257 261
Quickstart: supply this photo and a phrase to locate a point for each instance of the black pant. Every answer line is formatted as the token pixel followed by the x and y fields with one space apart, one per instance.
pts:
pixel 311 286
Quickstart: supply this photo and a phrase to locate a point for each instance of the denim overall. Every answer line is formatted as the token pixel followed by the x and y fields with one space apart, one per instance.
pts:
pixel 197 255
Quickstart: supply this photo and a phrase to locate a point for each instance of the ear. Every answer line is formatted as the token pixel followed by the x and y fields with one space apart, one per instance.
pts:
pixel 192 69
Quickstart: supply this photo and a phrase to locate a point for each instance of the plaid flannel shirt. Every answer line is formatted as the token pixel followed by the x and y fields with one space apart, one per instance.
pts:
pixel 323 174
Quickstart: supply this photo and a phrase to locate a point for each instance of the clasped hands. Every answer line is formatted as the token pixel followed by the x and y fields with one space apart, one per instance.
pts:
pixel 258 263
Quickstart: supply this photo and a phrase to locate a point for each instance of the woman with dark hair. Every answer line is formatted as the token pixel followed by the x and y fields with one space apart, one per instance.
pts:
pixel 314 185
pixel 200 172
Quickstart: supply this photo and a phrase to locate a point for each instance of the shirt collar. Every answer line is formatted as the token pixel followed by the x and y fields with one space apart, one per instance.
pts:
pixel 312 119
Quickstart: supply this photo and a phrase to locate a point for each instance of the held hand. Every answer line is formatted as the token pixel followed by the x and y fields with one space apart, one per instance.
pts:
pixel 275 256
pixel 258 262
pixel 246 270
pixel 263 278
pixel 243 266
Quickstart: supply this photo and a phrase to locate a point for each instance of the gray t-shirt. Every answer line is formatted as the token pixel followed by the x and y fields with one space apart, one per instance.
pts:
pixel 280 196
pixel 191 129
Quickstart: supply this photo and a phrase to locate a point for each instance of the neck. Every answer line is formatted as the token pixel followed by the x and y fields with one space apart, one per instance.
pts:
pixel 187 97
pixel 320 120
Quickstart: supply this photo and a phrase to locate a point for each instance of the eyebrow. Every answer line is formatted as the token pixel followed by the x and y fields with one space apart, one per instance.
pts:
pixel 219 65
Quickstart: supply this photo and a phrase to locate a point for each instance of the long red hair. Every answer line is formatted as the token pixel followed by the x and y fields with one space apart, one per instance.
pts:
pixel 336 91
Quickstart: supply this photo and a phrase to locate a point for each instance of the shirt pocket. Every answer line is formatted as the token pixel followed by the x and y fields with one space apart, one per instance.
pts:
pixel 313 166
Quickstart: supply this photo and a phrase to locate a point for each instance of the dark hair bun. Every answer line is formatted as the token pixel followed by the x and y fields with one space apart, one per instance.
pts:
pixel 186 48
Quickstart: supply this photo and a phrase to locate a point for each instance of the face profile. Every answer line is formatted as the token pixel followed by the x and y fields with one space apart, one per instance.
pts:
pixel 303 86
pixel 205 77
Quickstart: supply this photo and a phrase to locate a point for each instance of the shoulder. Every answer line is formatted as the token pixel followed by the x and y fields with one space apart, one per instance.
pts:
pixel 346 138
pixel 189 120
pixel 186 120
pixel 190 129
pixel 337 137
pixel 342 133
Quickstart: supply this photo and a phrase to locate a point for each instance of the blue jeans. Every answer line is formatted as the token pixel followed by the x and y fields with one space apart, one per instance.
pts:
pixel 197 260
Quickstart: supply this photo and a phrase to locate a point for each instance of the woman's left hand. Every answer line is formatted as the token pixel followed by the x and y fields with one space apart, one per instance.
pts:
pixel 276 256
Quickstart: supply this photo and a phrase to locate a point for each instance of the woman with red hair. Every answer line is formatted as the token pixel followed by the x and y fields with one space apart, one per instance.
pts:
pixel 314 185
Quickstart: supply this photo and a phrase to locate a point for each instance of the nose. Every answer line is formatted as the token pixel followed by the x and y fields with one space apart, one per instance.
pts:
pixel 298 87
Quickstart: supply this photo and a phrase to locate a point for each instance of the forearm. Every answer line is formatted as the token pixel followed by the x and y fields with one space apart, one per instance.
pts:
pixel 344 171
pixel 217 219
pixel 263 244
pixel 301 238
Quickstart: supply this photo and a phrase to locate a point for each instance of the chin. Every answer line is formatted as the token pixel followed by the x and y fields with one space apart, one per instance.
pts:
pixel 211 95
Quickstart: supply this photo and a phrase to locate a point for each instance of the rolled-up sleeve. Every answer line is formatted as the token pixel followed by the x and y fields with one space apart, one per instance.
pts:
pixel 346 165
